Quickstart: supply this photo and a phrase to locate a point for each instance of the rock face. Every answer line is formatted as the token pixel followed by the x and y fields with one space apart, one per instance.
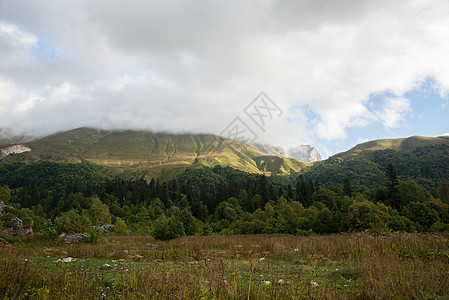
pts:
pixel 14 149
pixel 306 153
pixel 15 224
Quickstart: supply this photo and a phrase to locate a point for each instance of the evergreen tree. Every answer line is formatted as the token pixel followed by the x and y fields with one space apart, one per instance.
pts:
pixel 264 189
pixel 347 188
pixel 443 189
pixel 393 196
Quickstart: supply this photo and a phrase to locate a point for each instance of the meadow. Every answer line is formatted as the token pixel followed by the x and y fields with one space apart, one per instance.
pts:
pixel 340 266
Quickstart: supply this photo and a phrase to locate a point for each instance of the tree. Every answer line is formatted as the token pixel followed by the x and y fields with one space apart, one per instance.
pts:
pixel 366 215
pixel 264 189
pixel 120 226
pixel 443 189
pixel 72 222
pixel 347 188
pixel 99 212
pixel 303 191
pixel 393 196
pixel 167 228
pixel 5 194
pixel 422 214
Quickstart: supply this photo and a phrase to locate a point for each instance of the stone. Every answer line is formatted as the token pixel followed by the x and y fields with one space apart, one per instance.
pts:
pixel 73 238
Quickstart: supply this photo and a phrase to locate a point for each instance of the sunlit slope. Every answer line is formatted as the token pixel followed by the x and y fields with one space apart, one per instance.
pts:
pixel 403 144
pixel 144 153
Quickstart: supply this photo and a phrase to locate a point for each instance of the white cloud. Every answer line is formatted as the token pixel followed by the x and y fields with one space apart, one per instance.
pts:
pixel 394 112
pixel 173 65
pixel 445 134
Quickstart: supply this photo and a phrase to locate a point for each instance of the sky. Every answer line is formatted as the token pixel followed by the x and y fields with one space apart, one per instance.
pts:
pixel 332 73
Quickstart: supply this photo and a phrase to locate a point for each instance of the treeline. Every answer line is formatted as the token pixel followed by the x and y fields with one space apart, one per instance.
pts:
pixel 71 198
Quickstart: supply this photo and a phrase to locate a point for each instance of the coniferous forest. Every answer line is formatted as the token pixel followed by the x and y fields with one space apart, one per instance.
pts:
pixel 71 198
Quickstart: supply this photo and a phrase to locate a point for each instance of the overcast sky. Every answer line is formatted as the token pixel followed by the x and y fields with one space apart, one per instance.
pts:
pixel 341 72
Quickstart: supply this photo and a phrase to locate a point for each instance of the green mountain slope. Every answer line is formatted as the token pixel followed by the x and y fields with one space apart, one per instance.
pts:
pixel 424 159
pixel 133 154
pixel 367 149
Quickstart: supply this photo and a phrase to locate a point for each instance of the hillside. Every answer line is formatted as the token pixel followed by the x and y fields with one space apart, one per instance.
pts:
pixel 423 159
pixel 133 154
pixel 409 144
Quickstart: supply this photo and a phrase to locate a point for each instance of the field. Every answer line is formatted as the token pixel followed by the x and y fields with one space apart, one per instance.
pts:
pixel 344 266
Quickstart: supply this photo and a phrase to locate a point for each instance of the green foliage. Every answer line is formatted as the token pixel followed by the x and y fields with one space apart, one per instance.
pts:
pixel 44 227
pixel 72 222
pixel 5 194
pixel 366 215
pixel 99 212
pixel 422 214
pixel 51 175
pixel 167 228
pixel 120 226
pixel 401 223
pixel 95 235
pixel 11 239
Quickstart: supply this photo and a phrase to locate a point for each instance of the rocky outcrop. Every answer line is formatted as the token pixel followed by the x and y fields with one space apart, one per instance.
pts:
pixel 306 153
pixel 74 238
pixel 13 222
pixel 13 150
pixel 105 228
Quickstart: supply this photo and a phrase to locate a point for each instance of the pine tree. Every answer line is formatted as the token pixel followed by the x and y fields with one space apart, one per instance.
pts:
pixel 347 188
pixel 264 189
pixel 393 188
pixel 443 189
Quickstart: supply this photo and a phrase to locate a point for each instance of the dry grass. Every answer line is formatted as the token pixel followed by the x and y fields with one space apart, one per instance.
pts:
pixel 230 267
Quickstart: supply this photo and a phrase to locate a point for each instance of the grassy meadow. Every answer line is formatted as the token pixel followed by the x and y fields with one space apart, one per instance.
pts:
pixel 343 266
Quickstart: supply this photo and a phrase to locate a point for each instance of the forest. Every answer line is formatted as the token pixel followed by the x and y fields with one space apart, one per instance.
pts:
pixel 72 198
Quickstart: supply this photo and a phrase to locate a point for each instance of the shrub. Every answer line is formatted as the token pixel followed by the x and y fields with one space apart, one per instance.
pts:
pixel 167 228
pixel 72 222
pixel 96 235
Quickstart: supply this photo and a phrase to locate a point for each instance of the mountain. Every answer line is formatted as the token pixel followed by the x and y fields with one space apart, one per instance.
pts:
pixel 133 154
pixel 423 159
pixel 306 153
pixel 409 144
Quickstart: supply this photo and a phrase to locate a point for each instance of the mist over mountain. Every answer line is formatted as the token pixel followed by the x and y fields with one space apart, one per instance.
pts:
pixel 134 154
pixel 306 153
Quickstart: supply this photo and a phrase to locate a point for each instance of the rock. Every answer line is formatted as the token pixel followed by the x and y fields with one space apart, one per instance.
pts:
pixel 306 153
pixel 16 149
pixel 73 238
pixel 14 222
pixel 65 260
pixel 105 228
pixel 150 245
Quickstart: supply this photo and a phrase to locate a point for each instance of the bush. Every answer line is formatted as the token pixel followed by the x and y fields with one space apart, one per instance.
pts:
pixel 96 235
pixel 10 239
pixel 72 222
pixel 120 226
pixel 167 228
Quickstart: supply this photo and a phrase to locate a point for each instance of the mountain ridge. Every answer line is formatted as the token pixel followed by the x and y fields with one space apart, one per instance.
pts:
pixel 132 153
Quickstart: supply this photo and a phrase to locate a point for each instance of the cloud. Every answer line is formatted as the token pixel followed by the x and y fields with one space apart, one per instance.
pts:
pixel 178 66
pixel 445 134
pixel 395 111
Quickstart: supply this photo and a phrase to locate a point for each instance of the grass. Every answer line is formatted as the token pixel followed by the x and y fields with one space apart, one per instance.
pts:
pixel 340 266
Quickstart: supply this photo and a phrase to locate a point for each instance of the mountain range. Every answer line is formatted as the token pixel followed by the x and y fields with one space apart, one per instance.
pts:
pixel 135 154
pixel 132 154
